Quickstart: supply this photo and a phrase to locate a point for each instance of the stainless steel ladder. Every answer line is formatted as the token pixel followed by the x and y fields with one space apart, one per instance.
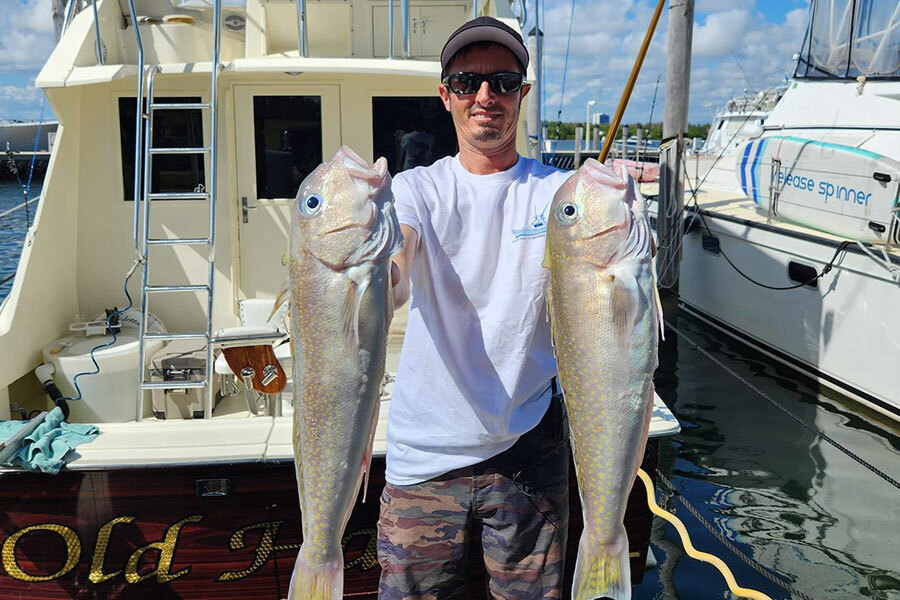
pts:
pixel 144 153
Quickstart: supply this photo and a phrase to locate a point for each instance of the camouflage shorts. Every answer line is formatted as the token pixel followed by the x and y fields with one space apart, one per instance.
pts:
pixel 516 504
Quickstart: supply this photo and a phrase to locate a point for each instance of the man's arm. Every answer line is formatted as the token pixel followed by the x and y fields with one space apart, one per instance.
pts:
pixel 402 264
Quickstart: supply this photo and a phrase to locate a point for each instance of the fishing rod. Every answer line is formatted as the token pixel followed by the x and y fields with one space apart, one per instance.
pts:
pixel 629 87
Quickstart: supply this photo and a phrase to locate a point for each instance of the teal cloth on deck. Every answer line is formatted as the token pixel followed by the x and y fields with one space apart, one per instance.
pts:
pixel 47 446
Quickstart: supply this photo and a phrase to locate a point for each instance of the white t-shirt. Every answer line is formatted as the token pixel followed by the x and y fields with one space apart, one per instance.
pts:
pixel 476 362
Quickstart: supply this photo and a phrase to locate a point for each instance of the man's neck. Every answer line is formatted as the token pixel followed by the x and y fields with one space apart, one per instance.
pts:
pixel 481 162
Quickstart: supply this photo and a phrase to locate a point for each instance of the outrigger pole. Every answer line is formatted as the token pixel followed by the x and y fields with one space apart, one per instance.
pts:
pixel 629 87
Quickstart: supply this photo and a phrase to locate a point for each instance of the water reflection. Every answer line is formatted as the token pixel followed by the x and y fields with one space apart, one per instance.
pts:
pixel 13 227
pixel 787 510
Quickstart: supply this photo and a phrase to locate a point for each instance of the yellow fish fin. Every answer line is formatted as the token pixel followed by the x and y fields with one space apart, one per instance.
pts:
pixel 283 296
pixel 367 457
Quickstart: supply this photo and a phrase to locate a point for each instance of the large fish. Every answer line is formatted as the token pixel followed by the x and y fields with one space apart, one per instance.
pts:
pixel 343 233
pixel 604 314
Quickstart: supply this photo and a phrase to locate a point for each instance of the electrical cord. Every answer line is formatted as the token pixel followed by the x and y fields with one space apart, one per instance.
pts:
pixel 112 332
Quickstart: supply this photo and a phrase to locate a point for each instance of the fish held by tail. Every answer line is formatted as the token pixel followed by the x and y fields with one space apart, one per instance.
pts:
pixel 602 571
pixel 313 580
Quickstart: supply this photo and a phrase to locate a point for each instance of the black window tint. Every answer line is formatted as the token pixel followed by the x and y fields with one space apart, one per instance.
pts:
pixel 288 132
pixel 411 132
pixel 171 129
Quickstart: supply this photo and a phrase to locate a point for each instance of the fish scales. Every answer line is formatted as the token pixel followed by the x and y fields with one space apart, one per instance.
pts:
pixel 340 314
pixel 604 320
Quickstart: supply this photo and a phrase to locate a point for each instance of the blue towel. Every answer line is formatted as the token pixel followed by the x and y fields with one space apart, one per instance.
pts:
pixel 47 446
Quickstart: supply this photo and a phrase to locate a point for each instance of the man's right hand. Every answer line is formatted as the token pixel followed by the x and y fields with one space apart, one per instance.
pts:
pixel 401 266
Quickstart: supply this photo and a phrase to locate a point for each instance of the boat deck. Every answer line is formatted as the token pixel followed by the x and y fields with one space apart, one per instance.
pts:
pixel 235 437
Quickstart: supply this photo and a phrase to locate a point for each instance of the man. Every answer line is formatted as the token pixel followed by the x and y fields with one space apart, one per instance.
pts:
pixel 477 444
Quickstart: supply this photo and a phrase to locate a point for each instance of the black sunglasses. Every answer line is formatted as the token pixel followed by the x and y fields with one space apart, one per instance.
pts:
pixel 469 83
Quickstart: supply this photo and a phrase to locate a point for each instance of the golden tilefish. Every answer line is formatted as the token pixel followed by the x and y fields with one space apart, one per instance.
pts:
pixel 343 233
pixel 604 316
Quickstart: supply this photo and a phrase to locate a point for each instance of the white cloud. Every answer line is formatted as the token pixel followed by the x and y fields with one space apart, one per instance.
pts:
pixel 607 34
pixel 26 35
pixel 721 34
pixel 14 93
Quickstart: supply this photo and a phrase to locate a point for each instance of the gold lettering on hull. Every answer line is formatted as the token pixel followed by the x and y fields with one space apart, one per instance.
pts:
pixel 261 553
pixel 162 571
pixel 97 575
pixel 73 552
pixel 166 553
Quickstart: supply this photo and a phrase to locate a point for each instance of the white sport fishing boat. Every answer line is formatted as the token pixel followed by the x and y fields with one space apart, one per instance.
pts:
pixel 222 108
pixel 815 210
pixel 738 120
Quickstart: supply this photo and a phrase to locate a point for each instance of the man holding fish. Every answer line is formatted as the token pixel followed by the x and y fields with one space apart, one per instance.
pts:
pixel 477 446
pixel 478 440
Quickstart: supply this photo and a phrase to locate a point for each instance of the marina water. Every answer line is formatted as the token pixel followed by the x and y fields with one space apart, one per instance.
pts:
pixel 751 474
pixel 13 227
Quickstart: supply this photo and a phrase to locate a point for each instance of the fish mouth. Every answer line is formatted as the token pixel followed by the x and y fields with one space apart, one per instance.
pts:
pixel 367 224
pixel 624 224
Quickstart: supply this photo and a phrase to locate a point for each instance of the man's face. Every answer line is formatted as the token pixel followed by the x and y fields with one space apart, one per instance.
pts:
pixel 484 120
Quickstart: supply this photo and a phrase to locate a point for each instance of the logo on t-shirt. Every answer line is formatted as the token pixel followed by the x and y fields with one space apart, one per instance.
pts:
pixel 536 229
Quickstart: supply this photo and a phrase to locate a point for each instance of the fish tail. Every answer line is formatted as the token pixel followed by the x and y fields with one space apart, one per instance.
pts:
pixel 602 570
pixel 317 581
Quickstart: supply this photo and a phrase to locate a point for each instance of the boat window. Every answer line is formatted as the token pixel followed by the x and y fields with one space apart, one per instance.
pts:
pixel 411 132
pixel 876 48
pixel 288 133
pixel 171 129
pixel 849 38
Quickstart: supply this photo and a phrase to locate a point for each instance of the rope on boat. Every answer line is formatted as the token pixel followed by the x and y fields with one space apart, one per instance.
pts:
pixel 689 548
pixel 825 437
pixel 884 261
pixel 748 560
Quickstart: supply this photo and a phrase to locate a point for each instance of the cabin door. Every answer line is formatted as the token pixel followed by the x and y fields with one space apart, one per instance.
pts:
pixel 282 134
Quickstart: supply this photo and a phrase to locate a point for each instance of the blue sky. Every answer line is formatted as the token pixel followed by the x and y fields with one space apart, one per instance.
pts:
pixel 761 35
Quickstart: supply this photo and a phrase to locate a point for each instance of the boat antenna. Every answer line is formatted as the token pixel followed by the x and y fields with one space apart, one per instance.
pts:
pixel 562 93
pixel 649 125
pixel 744 73
pixel 629 87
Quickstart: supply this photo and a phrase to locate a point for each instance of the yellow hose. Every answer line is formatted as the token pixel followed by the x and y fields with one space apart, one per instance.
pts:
pixel 689 547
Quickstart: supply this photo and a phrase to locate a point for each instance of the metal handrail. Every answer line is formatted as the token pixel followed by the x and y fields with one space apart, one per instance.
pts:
pixel 70 11
pixel 213 186
pixel 390 28
pixel 145 271
pixel 301 28
pixel 404 6
pixel 100 60
pixel 138 130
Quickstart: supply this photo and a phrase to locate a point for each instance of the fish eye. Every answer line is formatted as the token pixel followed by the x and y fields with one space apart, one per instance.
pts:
pixel 567 212
pixel 311 204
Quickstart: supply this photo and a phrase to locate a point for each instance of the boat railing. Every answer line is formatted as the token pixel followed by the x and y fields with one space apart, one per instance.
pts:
pixel 108 49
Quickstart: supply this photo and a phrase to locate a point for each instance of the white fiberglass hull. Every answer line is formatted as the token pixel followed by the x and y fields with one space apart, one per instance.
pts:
pixel 845 332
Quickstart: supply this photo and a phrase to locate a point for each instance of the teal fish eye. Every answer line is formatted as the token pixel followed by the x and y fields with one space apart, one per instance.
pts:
pixel 567 212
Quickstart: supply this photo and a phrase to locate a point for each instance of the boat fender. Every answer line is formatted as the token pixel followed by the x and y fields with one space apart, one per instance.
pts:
pixel 44 374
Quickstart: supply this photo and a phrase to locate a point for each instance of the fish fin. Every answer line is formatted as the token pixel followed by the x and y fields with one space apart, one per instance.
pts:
pixel 624 308
pixel 659 309
pixel 359 279
pixel 367 457
pixel 317 580
pixel 298 463
pixel 549 317
pixel 602 570
pixel 282 297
